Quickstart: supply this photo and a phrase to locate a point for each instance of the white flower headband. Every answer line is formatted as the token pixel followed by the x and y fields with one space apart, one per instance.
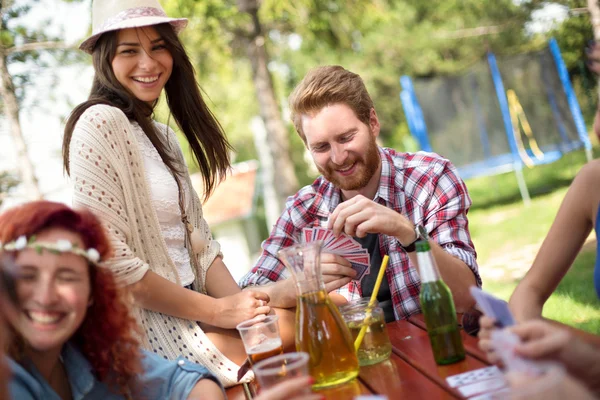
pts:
pixel 58 247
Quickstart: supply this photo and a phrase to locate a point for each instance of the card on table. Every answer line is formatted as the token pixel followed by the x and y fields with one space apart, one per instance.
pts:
pixel 473 376
pixel 486 386
pixel 498 394
pixel 342 245
pixel 478 381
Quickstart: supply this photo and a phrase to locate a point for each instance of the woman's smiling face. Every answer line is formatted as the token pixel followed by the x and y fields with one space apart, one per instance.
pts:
pixel 142 63
pixel 53 291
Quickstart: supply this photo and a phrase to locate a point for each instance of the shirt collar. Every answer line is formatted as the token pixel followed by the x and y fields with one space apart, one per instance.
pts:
pixel 335 196
pixel 79 371
pixel 386 188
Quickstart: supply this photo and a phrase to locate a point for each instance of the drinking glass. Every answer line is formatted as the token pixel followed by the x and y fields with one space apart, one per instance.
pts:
pixel 376 346
pixel 274 370
pixel 261 337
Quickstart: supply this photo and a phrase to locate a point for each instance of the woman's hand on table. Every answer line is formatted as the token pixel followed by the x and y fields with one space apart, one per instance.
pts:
pixel 242 306
pixel 291 389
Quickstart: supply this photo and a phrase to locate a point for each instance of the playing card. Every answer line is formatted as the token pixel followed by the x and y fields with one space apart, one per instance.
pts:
pixel 498 394
pixel 306 235
pixel 473 376
pixel 488 385
pixel 361 270
pixel 342 245
pixel 504 343
pixel 493 307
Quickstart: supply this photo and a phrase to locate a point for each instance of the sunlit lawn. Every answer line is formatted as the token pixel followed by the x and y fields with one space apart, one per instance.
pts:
pixel 500 224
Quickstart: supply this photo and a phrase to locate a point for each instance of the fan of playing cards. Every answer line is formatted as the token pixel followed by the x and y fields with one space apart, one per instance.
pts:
pixel 343 245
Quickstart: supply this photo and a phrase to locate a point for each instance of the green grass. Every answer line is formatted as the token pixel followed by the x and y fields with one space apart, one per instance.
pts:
pixel 501 225
pixel 573 303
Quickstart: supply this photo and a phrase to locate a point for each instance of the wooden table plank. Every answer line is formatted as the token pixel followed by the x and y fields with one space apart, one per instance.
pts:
pixel 397 379
pixel 470 342
pixel 411 343
pixel 345 391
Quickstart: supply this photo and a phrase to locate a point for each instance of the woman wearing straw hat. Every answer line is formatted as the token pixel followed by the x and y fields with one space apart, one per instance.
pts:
pixel 130 171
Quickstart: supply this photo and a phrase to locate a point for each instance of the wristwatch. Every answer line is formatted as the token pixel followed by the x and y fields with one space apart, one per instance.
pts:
pixel 421 234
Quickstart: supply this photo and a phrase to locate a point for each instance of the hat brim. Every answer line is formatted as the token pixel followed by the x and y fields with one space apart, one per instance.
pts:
pixel 178 25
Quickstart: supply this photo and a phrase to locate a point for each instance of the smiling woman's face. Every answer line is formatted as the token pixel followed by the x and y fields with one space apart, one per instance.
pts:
pixel 53 291
pixel 142 63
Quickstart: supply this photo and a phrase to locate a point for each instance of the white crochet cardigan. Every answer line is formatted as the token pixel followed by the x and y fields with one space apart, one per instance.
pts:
pixel 108 177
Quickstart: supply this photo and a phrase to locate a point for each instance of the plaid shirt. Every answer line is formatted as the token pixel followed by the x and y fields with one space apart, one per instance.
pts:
pixel 422 186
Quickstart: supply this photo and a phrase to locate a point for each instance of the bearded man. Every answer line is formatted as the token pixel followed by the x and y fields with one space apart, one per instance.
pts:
pixel 382 198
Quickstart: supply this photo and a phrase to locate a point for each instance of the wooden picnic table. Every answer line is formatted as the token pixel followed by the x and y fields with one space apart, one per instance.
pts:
pixel 411 371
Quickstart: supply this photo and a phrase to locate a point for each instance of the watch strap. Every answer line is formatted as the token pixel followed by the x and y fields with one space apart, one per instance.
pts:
pixel 411 247
pixel 421 234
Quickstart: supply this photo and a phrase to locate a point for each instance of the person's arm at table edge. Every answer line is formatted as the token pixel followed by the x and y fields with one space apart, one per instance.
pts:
pixel 455 273
pixel 452 216
pixel 567 234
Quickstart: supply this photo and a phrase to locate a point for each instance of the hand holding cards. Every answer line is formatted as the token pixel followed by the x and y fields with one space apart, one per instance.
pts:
pixel 493 307
pixel 343 245
pixel 504 341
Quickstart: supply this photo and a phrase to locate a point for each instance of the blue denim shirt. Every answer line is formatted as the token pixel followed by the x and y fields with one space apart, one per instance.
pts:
pixel 162 379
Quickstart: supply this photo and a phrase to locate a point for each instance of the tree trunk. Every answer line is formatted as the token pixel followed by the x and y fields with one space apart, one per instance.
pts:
pixel 594 10
pixel 11 111
pixel 284 177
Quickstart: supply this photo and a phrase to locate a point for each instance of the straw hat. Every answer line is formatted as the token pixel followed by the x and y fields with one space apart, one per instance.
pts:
pixel 112 15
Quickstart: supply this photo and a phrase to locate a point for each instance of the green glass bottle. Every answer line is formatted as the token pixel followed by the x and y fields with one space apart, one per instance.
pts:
pixel 438 309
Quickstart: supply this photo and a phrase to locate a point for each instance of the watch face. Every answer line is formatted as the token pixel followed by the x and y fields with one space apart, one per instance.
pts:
pixel 422 232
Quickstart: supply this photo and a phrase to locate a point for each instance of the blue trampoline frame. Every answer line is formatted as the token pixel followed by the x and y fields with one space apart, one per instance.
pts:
pixel 509 161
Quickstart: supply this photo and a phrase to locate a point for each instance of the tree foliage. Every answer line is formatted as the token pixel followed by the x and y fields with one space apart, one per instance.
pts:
pixel 24 52
pixel 379 39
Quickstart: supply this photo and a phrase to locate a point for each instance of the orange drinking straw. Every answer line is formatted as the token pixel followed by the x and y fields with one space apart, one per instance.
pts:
pixel 363 329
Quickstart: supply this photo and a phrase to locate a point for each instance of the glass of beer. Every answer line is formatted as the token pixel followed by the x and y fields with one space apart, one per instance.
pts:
pixel 261 337
pixel 376 346
pixel 277 369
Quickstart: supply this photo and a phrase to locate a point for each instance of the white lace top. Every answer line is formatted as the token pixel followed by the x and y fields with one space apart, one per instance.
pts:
pixel 165 200
pixel 109 178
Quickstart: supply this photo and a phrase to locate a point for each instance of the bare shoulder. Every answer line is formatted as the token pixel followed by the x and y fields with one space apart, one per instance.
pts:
pixel 587 185
pixel 589 175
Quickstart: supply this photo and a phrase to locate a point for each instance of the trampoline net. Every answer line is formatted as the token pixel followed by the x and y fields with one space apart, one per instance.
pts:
pixel 464 121
pixel 535 80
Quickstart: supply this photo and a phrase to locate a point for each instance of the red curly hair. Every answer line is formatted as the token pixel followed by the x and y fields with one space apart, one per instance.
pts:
pixel 107 336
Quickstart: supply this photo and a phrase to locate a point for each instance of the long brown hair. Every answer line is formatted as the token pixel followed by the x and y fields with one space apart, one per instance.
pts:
pixel 203 132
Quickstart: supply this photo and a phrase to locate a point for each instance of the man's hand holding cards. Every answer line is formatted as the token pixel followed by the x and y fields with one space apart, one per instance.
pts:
pixel 342 245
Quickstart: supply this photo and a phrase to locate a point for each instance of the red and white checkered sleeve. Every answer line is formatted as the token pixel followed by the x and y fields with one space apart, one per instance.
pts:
pixel 446 216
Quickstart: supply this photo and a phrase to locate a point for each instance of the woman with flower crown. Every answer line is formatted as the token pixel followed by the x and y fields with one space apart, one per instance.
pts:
pixel 129 170
pixel 71 335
